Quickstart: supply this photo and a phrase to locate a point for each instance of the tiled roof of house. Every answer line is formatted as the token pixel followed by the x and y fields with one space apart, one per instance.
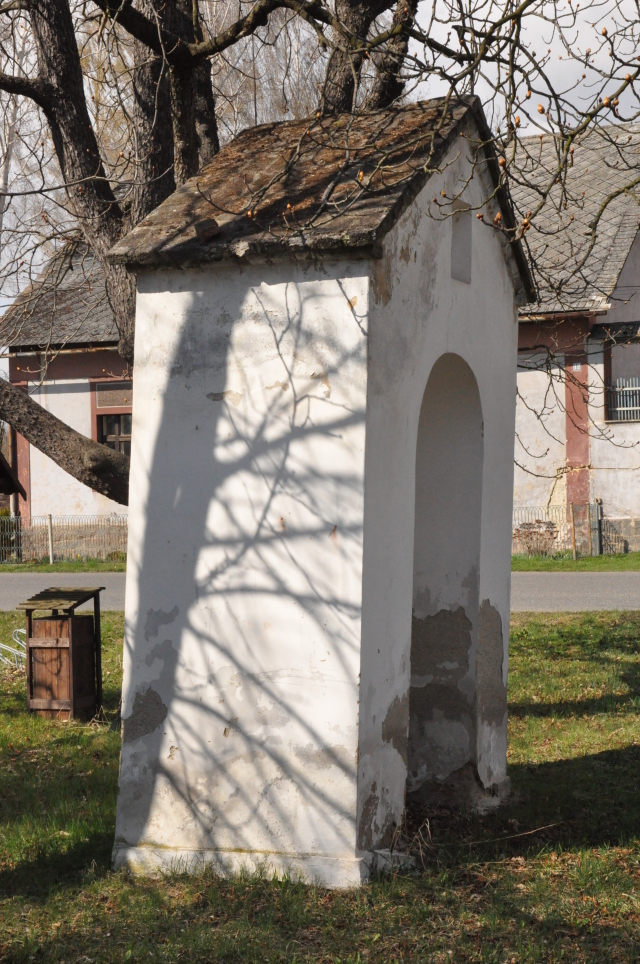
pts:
pixel 574 269
pixel 65 306
pixel 332 184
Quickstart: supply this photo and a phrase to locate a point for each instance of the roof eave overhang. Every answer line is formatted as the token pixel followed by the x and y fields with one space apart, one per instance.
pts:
pixel 194 255
pixel 62 348
pixel 568 313
pixel 510 227
pixel 364 245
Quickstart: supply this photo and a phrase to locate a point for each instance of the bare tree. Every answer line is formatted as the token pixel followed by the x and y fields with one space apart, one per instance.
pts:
pixel 132 96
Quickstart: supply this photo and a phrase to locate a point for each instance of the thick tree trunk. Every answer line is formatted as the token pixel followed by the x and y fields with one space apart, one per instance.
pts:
pixel 181 17
pixel 205 114
pixel 185 139
pixel 174 112
pixel 96 465
pixel 343 70
pixel 90 194
pixel 388 85
pixel 153 132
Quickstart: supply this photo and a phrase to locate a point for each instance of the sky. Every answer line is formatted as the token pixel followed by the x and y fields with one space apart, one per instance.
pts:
pixel 545 37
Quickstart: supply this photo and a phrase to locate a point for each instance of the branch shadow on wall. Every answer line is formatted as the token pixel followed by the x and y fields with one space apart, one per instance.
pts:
pixel 234 500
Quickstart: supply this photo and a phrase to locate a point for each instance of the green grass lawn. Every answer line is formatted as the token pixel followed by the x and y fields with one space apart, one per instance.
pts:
pixel 551 877
pixel 623 562
pixel 78 565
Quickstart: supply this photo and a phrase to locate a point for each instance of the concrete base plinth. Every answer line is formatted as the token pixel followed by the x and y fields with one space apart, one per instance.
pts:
pixel 336 872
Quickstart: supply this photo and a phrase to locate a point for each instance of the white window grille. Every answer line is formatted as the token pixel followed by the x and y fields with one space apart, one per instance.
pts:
pixel 623 401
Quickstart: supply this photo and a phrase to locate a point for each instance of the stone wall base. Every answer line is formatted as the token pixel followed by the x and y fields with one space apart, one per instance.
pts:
pixel 629 529
pixel 461 790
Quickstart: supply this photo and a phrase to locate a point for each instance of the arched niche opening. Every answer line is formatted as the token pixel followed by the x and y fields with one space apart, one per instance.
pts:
pixel 446 563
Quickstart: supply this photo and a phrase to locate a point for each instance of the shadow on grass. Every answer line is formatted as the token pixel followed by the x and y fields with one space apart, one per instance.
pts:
pixel 14 702
pixel 591 801
pixel 626 702
pixel 52 869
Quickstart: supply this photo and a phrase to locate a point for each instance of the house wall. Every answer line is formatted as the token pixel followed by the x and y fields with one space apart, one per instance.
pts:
pixel 615 446
pixel 552 452
pixel 557 435
pixel 66 393
pixel 271 557
pixel 615 458
pixel 540 443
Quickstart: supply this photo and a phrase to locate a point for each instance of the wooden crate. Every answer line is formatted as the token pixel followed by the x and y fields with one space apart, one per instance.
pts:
pixel 64 671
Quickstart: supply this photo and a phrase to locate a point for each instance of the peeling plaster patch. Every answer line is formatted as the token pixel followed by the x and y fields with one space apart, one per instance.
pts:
pixel 157 618
pixel 272 715
pixel 421 680
pixel 439 643
pixel 492 693
pixel 365 830
pixel 395 726
pixel 324 378
pixel 377 824
pixel 283 385
pixel 352 302
pixel 146 716
pixel 440 721
pixel 422 605
pixel 405 252
pixel 382 284
pixel 446 746
pixel 172 752
pixel 228 396
pixel 324 758
pixel 460 789
pixel 232 727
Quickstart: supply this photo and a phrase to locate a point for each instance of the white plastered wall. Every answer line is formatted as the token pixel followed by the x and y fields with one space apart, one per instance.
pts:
pixel 419 314
pixel 243 598
pixel 54 491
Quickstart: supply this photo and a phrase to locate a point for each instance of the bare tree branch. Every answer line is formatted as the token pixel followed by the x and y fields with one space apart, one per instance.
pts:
pixel 95 465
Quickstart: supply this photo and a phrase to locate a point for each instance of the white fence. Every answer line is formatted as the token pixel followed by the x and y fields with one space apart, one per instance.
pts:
pixel 66 537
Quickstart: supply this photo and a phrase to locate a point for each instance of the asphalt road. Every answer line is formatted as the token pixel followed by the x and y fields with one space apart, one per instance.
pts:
pixel 15 587
pixel 553 592
pixel 530 591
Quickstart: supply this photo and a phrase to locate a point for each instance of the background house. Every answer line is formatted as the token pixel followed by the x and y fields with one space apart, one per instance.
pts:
pixel 578 408
pixel 62 343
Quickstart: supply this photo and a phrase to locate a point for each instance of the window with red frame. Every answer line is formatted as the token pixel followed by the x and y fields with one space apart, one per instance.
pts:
pixel 114 427
pixel 115 431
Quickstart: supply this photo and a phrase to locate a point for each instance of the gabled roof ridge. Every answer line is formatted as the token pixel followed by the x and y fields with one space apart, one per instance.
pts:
pixel 559 240
pixel 333 184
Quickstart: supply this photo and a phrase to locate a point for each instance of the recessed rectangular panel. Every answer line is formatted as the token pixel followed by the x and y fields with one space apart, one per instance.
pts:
pixel 461 246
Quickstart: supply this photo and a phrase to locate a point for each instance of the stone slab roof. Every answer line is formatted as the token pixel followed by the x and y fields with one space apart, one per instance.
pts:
pixel 575 271
pixel 65 306
pixel 333 184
